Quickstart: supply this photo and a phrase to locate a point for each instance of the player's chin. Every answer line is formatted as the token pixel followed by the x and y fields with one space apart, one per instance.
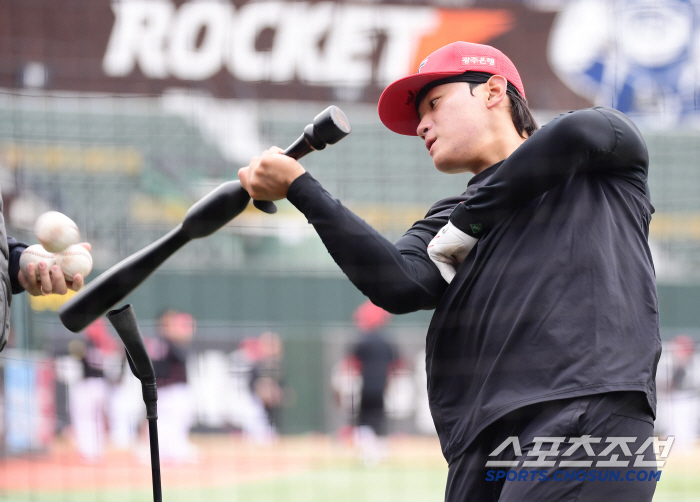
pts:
pixel 448 166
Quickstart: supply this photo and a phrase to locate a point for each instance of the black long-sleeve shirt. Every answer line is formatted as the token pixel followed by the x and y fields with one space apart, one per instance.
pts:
pixel 558 297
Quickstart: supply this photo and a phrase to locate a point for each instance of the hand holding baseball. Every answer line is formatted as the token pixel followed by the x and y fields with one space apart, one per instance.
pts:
pixel 74 261
pixel 43 277
pixel 59 263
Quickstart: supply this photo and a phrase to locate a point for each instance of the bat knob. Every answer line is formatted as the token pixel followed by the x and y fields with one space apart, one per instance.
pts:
pixel 265 206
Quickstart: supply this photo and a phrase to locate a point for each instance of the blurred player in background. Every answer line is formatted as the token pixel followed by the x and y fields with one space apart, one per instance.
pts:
pixel 376 357
pixel 125 407
pixel 175 400
pixel 679 398
pixel 546 320
pixel 89 396
pixel 256 371
pixel 266 382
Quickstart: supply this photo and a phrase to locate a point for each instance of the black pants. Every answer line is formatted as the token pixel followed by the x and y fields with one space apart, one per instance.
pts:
pixel 372 413
pixel 624 415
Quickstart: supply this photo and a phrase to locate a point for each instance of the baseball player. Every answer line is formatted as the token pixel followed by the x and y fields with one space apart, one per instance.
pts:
pixel 88 396
pixel 377 357
pixel 175 401
pixel 545 337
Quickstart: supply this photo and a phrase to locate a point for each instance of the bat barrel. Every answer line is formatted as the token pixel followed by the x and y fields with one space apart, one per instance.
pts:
pixel 328 127
pixel 113 285
pixel 214 210
pixel 331 125
pixel 204 218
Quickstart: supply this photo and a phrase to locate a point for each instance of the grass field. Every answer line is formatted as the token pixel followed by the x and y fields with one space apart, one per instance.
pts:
pixel 301 468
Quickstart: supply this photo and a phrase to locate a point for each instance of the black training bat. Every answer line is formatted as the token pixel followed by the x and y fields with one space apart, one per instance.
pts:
pixel 124 322
pixel 204 218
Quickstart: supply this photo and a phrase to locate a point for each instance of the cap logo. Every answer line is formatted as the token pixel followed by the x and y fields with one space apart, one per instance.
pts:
pixel 422 64
pixel 411 97
pixel 467 60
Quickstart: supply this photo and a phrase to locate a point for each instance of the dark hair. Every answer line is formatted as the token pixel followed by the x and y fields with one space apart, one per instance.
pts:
pixel 521 114
pixel 522 118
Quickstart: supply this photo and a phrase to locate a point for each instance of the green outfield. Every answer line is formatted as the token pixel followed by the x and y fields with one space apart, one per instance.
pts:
pixel 296 469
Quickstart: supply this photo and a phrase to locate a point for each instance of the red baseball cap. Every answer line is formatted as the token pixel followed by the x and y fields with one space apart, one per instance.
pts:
pixel 397 106
pixel 368 316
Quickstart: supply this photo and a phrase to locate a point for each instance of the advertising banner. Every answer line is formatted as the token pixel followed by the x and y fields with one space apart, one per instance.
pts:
pixel 640 57
pixel 267 49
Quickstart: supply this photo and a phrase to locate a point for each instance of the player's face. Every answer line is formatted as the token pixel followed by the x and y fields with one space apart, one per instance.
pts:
pixel 453 126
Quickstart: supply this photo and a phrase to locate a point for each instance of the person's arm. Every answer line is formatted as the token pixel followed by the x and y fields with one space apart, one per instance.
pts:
pixel 398 277
pixel 599 140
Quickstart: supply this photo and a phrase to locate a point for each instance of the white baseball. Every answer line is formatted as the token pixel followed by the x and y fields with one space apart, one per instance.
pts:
pixel 74 260
pixel 56 231
pixel 35 254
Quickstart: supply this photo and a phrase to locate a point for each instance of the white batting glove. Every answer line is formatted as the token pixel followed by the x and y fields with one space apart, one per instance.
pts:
pixel 449 248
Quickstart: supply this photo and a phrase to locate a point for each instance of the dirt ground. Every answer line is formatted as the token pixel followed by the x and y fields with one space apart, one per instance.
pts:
pixel 222 460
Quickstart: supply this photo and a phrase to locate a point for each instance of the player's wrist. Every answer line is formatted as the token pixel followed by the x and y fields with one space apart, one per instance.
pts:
pixel 463 221
pixel 300 187
pixel 294 174
pixel 456 231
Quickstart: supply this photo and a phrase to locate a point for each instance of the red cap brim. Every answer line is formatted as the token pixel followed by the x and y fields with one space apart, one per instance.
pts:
pixel 397 106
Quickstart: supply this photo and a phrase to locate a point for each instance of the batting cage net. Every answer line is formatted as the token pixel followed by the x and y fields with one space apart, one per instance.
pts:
pixel 124 114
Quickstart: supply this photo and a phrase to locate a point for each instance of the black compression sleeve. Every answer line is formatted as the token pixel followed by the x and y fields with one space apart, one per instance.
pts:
pixel 397 277
pixel 594 140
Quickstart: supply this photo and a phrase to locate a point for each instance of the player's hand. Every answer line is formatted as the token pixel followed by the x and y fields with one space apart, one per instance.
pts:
pixel 449 248
pixel 268 177
pixel 51 280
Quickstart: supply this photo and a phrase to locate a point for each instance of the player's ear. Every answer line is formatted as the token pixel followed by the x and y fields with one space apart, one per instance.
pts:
pixel 496 86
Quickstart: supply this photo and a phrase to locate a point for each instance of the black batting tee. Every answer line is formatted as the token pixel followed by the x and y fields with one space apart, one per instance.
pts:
pixel 558 297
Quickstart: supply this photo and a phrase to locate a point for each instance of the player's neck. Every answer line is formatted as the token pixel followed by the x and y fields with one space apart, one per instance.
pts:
pixel 503 143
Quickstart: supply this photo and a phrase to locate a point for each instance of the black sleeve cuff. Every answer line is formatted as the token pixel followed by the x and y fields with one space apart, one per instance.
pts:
pixel 303 191
pixel 15 248
pixel 461 219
